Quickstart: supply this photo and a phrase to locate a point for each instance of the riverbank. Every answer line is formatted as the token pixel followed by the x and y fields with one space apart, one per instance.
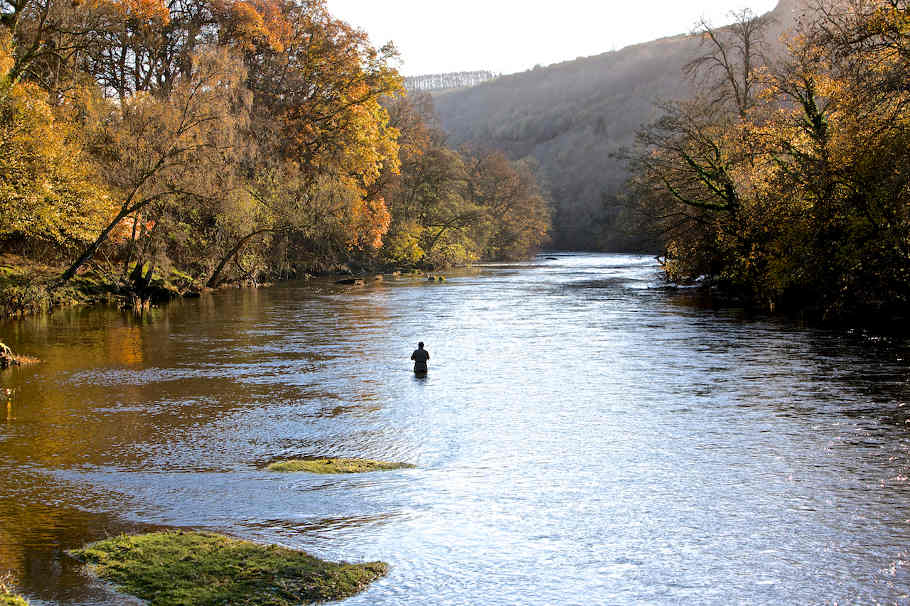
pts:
pixel 28 287
pixel 11 599
pixel 882 318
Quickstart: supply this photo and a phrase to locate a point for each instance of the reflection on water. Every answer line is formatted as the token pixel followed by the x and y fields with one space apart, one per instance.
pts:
pixel 583 437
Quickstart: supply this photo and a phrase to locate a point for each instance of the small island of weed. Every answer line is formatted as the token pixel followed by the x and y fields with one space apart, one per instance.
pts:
pixel 171 568
pixel 335 466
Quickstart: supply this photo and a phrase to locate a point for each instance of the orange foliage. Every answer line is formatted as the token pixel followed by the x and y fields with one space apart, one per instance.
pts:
pixel 144 11
pixel 371 220
pixel 123 233
pixel 253 24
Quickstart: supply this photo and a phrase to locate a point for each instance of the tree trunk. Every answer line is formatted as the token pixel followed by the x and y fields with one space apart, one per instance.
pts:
pixel 92 249
pixel 216 275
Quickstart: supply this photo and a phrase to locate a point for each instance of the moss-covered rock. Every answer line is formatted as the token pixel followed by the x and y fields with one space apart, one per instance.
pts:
pixel 336 466
pixel 204 569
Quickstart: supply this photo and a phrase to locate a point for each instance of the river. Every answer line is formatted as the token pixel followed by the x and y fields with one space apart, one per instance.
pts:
pixel 584 436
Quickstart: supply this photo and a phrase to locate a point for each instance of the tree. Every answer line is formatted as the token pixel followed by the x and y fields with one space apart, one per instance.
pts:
pixel 513 203
pixel 153 151
pixel 728 72
pixel 688 165
pixel 796 196
pixel 50 199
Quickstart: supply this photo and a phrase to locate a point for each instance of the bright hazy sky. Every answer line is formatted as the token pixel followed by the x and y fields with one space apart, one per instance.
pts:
pixel 506 36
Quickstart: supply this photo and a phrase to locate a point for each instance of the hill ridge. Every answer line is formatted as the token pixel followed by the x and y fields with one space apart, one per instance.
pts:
pixel 571 116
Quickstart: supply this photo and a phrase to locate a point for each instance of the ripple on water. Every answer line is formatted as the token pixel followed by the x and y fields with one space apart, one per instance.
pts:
pixel 583 437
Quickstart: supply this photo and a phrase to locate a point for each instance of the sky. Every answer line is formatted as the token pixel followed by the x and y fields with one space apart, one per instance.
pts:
pixel 507 36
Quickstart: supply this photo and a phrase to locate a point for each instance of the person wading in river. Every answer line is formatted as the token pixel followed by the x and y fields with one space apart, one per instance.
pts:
pixel 420 356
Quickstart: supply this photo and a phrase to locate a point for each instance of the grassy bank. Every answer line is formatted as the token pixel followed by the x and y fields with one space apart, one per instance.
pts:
pixel 9 599
pixel 335 466
pixel 28 287
pixel 179 568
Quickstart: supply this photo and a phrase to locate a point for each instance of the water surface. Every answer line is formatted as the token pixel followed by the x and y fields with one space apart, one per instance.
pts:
pixel 584 436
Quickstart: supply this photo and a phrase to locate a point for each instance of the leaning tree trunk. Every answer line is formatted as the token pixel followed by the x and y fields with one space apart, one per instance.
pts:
pixel 92 249
pixel 216 275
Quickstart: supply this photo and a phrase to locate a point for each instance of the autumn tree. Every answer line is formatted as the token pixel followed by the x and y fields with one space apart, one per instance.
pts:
pixel 840 149
pixel 796 197
pixel 322 139
pixel 231 139
pixel 50 198
pixel 515 208
pixel 153 151
pixel 688 163
pixel 451 207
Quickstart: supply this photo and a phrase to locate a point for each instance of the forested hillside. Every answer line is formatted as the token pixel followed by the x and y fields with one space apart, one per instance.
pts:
pixel 572 116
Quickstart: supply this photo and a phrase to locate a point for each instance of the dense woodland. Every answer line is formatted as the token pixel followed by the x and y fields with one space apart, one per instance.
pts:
pixel 786 177
pixel 773 164
pixel 195 143
pixel 213 140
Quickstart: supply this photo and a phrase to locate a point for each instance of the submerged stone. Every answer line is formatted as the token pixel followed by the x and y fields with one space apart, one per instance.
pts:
pixel 336 466
pixel 205 569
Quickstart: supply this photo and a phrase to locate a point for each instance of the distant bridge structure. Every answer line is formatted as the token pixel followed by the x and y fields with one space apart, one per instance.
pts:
pixel 437 82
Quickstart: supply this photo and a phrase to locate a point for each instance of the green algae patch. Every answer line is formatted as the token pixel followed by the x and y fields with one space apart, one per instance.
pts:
pixel 205 569
pixel 336 466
